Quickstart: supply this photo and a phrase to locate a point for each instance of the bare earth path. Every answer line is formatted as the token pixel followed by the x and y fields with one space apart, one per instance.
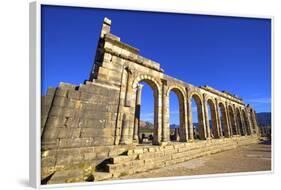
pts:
pixel 254 157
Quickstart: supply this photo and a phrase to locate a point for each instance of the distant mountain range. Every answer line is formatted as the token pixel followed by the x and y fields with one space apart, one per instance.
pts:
pixel 264 118
pixel 146 125
pixel 149 125
pixel 173 126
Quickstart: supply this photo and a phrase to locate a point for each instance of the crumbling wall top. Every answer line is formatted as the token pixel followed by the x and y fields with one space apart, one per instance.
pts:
pixel 223 94
pixel 114 45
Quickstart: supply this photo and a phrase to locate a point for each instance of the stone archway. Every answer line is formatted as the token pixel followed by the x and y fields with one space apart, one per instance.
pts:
pixel 180 93
pixel 213 125
pixel 201 132
pixel 224 122
pixel 154 85
pixel 239 122
pixel 232 121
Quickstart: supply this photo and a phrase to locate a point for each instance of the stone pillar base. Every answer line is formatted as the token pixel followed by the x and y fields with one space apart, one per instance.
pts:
pixel 190 140
pixel 163 143
pixel 136 141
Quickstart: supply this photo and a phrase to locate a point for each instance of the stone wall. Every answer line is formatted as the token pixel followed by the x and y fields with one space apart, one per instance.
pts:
pixel 46 104
pixel 147 158
pixel 130 160
pixel 104 110
pixel 67 159
pixel 80 116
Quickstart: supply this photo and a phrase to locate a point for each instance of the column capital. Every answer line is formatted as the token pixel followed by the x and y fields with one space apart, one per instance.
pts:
pixel 164 82
pixel 139 86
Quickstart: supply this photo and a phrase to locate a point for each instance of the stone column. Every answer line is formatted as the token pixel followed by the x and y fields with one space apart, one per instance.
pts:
pixel 246 121
pixel 122 102
pixel 129 91
pixel 227 125
pixel 137 113
pixel 165 113
pixel 252 122
pixel 255 122
pixel 249 130
pixel 130 103
pixel 248 113
pixel 243 122
pixel 235 121
pixel 229 129
pixel 218 120
pixel 207 126
pixel 157 138
pixel 125 130
pixel 189 119
pixel 183 121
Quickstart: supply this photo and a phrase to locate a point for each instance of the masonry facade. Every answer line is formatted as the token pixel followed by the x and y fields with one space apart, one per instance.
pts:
pixel 105 109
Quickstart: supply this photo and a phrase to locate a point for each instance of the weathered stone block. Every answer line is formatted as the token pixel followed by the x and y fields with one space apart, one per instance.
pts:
pixel 61 92
pixel 159 154
pixel 86 96
pixel 159 164
pixel 69 133
pixel 120 159
pixel 66 176
pixel 102 155
pixel 51 133
pixel 74 95
pixel 149 166
pixel 105 140
pixel 138 151
pixel 151 149
pixel 49 161
pixel 60 101
pixel 63 159
pixel 96 132
pixel 100 176
pixel 75 142
pixel 56 111
pixel 55 121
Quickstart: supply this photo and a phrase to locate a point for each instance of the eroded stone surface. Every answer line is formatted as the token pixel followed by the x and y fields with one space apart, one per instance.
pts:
pixel 231 161
pixel 84 126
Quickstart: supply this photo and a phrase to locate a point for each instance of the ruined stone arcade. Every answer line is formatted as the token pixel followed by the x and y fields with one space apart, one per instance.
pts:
pixel 104 111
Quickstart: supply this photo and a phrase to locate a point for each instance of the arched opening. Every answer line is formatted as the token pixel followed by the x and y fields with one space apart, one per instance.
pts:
pixel 197 120
pixel 176 115
pixel 239 122
pixel 232 121
pixel 223 120
pixel 212 119
pixel 146 113
pixel 247 124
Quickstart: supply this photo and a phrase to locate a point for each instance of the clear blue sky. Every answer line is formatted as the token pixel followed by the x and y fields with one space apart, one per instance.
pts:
pixel 227 53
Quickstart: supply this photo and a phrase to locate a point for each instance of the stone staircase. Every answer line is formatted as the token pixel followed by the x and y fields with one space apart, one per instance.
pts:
pixel 146 158
pixel 143 158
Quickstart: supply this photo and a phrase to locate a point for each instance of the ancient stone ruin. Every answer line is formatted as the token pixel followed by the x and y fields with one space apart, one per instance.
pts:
pixel 90 132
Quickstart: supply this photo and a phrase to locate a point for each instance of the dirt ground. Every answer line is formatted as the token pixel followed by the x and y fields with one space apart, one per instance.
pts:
pixel 254 157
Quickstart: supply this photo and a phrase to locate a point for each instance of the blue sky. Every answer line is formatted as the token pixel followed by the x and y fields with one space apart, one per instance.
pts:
pixel 227 53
